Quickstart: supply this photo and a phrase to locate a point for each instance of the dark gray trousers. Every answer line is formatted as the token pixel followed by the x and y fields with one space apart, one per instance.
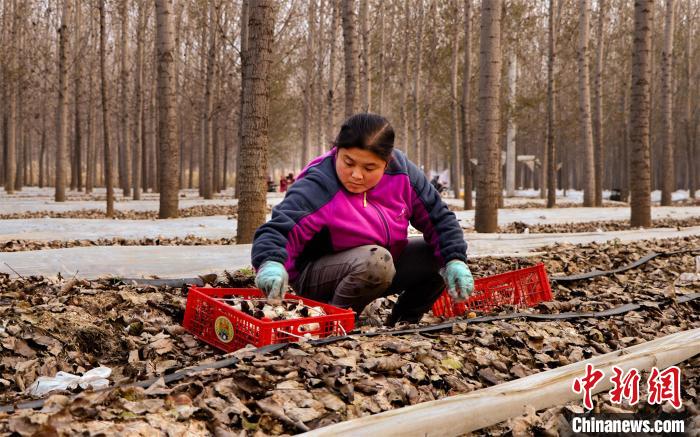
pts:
pixel 355 277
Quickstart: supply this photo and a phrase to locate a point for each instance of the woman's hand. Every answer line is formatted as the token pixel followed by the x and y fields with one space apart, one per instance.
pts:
pixel 460 283
pixel 272 280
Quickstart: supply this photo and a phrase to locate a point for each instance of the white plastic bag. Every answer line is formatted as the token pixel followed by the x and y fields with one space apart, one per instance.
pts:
pixel 95 378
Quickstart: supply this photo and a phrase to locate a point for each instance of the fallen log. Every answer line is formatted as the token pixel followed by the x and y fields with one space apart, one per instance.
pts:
pixel 461 414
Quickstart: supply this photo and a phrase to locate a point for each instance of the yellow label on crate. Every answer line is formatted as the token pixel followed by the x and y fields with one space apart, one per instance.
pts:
pixel 223 329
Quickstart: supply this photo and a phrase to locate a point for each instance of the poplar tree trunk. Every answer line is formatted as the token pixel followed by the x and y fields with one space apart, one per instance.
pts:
pixel 350 51
pixel 77 164
pixel 668 165
pixel 29 157
pixel 308 87
pixel 107 154
pixel 466 108
pixel 190 180
pixel 138 102
pixel 216 124
pixel 488 185
pixel 4 74
pixel 62 128
pixel 147 126
pixel 640 171
pixel 511 128
pixel 414 151
pixel 330 111
pixel 687 117
pixel 207 169
pixel 124 145
pixel 42 151
pixel 90 141
pixel 365 73
pixel 255 148
pixel 551 104
pixel 10 96
pixel 625 158
pixel 382 51
pixel 154 159
pixel 586 135
pixel 427 103
pixel 179 86
pixel 404 141
pixel 319 146
pixel 19 146
pixel 454 105
pixel 168 159
pixel 245 9
pixel 598 108
pixel 20 136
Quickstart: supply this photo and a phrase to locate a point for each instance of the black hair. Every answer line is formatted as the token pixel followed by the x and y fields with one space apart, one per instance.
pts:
pixel 367 131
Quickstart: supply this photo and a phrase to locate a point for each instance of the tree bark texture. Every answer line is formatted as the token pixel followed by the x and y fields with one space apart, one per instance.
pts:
pixel 365 71
pixel 586 134
pixel 404 141
pixel 255 148
pixel 107 154
pixel 308 85
pixel 668 178
pixel 488 185
pixel 10 90
pixel 124 143
pixel 687 114
pixel 138 103
pixel 77 164
pixel 551 104
pixel 417 68
pixel 381 54
pixel 640 169
pixel 62 138
pixel 245 13
pixel 454 105
pixel 330 94
pixel 466 108
pixel 598 137
pixel 350 51
pixel 207 167
pixel 319 140
pixel 168 160
pixel 511 128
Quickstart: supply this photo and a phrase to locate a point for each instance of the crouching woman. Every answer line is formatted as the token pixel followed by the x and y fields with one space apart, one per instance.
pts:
pixel 341 233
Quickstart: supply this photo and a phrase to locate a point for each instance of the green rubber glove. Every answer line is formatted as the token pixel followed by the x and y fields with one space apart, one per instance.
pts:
pixel 272 280
pixel 460 283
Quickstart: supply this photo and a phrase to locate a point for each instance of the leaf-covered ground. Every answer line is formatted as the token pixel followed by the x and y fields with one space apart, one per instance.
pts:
pixel 74 325
pixel 20 245
pixel 193 211
pixel 604 226
pixel 190 240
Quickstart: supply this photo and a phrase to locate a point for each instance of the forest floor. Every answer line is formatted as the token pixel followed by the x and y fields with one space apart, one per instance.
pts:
pixel 74 322
pixel 189 261
pixel 75 325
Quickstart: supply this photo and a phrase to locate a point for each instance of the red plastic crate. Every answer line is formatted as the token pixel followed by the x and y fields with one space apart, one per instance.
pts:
pixel 229 329
pixel 524 287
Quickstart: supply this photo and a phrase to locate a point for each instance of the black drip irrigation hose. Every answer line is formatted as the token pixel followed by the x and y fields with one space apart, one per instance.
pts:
pixel 641 261
pixel 230 361
pixel 570 278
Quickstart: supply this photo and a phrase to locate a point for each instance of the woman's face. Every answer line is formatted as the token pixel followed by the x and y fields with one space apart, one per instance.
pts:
pixel 359 170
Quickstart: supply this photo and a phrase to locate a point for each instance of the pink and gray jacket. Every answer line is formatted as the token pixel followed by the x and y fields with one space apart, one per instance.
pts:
pixel 318 216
